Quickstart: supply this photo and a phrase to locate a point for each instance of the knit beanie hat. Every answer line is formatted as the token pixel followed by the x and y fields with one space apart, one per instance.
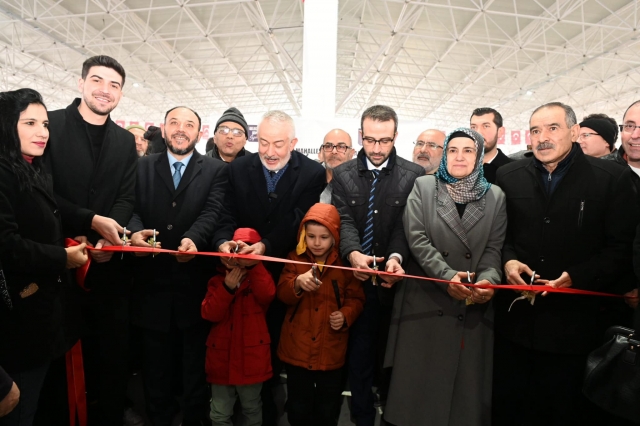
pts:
pixel 602 127
pixel 235 116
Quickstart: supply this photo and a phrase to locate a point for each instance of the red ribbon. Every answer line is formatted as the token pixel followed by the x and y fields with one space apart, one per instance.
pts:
pixel 81 272
pixel 76 386
pixel 130 249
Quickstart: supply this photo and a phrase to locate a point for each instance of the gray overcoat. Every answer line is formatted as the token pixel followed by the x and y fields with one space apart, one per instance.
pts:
pixel 440 349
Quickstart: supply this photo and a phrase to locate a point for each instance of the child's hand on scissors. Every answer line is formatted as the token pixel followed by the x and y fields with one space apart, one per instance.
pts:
pixel 308 281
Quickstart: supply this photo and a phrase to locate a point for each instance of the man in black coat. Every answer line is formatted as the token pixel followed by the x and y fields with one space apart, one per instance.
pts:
pixel 180 195
pixel 488 122
pixel 271 191
pixel 571 220
pixel 93 165
pixel 373 228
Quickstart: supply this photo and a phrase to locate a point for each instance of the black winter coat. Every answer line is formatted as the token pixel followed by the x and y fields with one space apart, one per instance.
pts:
pixel 276 217
pixel 163 287
pixel 31 251
pixel 490 169
pixel 351 186
pixel 585 228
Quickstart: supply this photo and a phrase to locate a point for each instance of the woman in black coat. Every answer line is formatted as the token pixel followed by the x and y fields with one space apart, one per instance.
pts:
pixel 32 252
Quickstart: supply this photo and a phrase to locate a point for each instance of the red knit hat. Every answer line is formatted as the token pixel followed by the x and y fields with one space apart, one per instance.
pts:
pixel 246 235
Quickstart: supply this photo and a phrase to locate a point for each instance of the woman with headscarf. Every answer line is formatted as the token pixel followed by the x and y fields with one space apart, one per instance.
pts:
pixel 32 252
pixel 441 337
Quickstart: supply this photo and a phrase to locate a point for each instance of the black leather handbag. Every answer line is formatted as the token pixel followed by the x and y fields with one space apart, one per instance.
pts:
pixel 612 377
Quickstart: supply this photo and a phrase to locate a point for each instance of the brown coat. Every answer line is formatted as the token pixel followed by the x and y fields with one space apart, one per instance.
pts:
pixel 307 339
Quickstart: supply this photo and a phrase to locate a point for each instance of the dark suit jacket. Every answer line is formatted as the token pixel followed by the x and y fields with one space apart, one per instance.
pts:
pixel 490 169
pixel 31 251
pixel 276 218
pixel 162 286
pixel 585 228
pixel 81 189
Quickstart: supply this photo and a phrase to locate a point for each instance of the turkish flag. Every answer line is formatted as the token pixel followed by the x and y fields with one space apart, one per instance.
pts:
pixel 205 132
pixel 527 137
pixel 133 123
pixel 515 137
pixel 120 123
pixel 147 124
pixel 501 140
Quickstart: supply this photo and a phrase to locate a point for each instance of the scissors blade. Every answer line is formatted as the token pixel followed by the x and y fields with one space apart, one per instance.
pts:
pixel 533 278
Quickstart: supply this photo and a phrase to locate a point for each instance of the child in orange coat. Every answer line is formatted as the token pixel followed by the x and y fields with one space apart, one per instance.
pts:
pixel 322 303
pixel 238 347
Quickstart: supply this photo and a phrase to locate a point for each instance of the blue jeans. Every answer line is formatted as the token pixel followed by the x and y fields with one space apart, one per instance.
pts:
pixel 29 383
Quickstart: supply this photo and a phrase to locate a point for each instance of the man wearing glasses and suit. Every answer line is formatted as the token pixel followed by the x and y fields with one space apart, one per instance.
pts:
pixel 370 193
pixel 427 150
pixel 335 150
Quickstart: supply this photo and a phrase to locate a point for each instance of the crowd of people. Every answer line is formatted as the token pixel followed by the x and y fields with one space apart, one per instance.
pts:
pixel 213 336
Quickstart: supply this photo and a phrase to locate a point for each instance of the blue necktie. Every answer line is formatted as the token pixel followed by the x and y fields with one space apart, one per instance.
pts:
pixel 176 175
pixel 367 240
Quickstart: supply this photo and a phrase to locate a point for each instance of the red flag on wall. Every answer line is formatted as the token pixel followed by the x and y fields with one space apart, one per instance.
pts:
pixel 515 137
pixel 501 140
pixel 527 137
pixel 147 124
pixel 120 123
pixel 205 132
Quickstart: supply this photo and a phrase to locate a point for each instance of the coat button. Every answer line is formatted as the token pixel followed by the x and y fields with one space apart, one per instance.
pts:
pixel 173 204
pixel 169 227
pixel 397 202
pixel 313 338
pixel 56 211
pixel 375 211
pixel 468 255
pixel 541 258
pixel 352 202
pixel 440 313
pixel 460 317
pixel 445 253
pixel 547 220
pixel 316 309
pixel 260 340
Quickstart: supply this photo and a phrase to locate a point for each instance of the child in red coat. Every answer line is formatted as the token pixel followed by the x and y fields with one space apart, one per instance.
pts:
pixel 238 354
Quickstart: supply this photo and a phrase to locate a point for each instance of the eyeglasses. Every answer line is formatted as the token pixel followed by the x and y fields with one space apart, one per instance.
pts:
pixel 224 130
pixel 371 141
pixel 628 127
pixel 430 145
pixel 587 135
pixel 328 147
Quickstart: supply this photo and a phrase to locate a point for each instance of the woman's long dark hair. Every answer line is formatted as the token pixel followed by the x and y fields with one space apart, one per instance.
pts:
pixel 12 104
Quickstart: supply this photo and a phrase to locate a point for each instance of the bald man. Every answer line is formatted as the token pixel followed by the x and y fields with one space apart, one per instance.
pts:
pixel 335 150
pixel 427 150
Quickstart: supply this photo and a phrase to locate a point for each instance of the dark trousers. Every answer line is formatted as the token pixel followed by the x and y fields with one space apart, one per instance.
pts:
pixel 533 388
pixel 29 383
pixel 274 317
pixel 313 397
pixel 362 355
pixel 158 370
pixel 106 356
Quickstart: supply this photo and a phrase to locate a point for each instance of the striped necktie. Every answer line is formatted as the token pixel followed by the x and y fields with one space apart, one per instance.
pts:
pixel 367 240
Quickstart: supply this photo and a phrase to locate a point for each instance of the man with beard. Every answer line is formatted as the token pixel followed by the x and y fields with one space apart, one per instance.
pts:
pixel 142 145
pixel 370 193
pixel 570 221
pixel 179 194
pixel 270 191
pixel 229 136
pixel 488 122
pixel 335 150
pixel 427 150
pixel 93 164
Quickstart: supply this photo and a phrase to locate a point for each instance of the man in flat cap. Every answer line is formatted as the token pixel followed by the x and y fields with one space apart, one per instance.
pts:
pixel 229 136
